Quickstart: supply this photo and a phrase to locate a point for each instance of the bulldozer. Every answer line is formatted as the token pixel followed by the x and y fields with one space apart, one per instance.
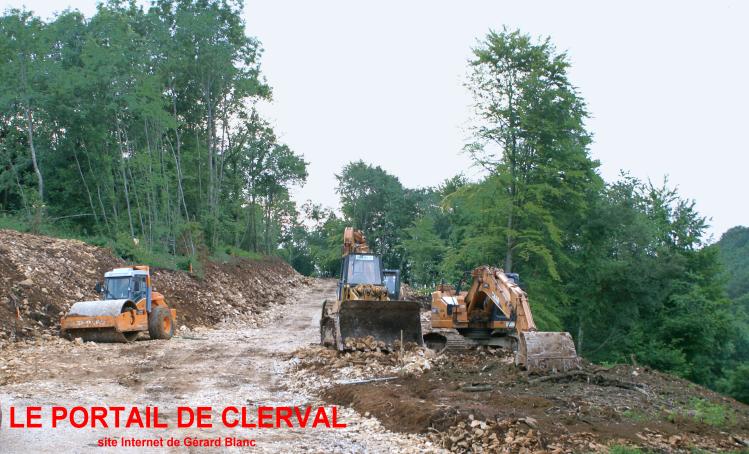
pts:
pixel 495 311
pixel 363 306
pixel 129 307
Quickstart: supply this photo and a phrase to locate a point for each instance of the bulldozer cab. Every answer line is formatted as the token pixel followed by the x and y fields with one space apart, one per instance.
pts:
pixel 392 282
pixel 360 269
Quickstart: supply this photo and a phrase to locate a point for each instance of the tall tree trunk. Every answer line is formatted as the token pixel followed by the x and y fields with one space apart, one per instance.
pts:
pixel 177 154
pixel 85 185
pixel 35 163
pixel 510 243
pixel 268 209
pixel 137 202
pixel 98 191
pixel 124 183
pixel 20 188
pixel 253 222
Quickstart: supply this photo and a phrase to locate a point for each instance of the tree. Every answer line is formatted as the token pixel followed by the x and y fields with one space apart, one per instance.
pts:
pixel 530 135
pixel 23 75
pixel 137 124
pixel 424 250
pixel 376 202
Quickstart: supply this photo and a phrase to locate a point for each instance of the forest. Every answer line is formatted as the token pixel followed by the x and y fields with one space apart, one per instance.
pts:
pixel 138 128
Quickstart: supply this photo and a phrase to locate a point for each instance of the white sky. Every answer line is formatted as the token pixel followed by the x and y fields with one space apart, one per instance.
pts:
pixel 381 81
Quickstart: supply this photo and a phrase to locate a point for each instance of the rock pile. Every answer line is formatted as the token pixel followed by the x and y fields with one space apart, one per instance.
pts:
pixel 41 277
pixel 370 344
pixel 331 366
pixel 477 436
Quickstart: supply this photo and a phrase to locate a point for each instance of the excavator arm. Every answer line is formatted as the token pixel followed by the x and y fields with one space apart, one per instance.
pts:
pixel 536 351
pixel 493 284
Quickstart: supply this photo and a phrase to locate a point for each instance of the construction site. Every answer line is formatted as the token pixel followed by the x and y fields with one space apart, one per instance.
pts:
pixel 239 340
pixel 477 227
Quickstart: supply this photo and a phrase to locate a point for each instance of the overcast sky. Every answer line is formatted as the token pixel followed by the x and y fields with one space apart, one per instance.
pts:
pixel 382 81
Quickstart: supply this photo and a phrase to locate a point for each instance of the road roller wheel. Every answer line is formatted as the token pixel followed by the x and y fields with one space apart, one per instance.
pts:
pixel 160 323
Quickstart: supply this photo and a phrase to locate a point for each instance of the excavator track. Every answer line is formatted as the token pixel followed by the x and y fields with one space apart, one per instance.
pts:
pixel 440 339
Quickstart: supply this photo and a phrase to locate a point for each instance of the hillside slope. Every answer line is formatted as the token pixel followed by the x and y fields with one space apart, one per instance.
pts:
pixel 41 277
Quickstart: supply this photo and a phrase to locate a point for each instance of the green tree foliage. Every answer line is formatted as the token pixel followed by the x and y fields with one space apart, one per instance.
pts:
pixel 530 136
pixel 377 203
pixel 140 123
pixel 734 254
pixel 648 286
pixel 733 251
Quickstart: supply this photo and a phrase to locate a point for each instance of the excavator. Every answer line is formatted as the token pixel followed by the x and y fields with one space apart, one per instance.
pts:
pixel 495 311
pixel 130 306
pixel 363 306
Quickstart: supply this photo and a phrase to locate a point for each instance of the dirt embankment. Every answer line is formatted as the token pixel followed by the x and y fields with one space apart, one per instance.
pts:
pixel 41 277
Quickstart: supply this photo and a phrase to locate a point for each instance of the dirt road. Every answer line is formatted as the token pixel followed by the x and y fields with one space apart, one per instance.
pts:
pixel 227 366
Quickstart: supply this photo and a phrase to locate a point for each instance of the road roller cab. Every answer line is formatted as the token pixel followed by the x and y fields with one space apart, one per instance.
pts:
pixel 129 306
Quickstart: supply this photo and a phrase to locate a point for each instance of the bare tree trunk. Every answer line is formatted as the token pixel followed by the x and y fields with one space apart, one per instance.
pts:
pixel 177 154
pixel 20 188
pixel 269 203
pixel 98 192
pixel 30 133
pixel 137 202
pixel 85 185
pixel 510 244
pixel 178 158
pixel 253 223
pixel 124 184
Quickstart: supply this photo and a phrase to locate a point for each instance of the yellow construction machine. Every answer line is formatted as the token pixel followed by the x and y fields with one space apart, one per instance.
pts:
pixel 495 311
pixel 130 306
pixel 363 306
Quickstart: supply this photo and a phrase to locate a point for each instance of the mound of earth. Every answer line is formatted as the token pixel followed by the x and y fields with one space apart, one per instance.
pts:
pixel 479 401
pixel 41 277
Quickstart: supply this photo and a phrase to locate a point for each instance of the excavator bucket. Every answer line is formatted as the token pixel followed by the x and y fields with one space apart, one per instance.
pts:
pixel 546 352
pixel 386 321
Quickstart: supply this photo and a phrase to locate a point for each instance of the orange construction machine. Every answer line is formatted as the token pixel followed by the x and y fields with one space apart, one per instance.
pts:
pixel 495 311
pixel 365 305
pixel 130 306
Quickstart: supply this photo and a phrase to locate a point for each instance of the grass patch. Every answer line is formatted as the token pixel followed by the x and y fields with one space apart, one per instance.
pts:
pixel 706 412
pixel 622 449
pixel 225 253
pixel 636 415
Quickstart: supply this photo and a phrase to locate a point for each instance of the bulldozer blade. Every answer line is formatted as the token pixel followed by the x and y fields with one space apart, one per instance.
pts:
pixel 546 351
pixel 386 321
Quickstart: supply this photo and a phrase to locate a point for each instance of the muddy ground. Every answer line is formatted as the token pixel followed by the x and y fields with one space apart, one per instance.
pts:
pixel 230 364
pixel 463 399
